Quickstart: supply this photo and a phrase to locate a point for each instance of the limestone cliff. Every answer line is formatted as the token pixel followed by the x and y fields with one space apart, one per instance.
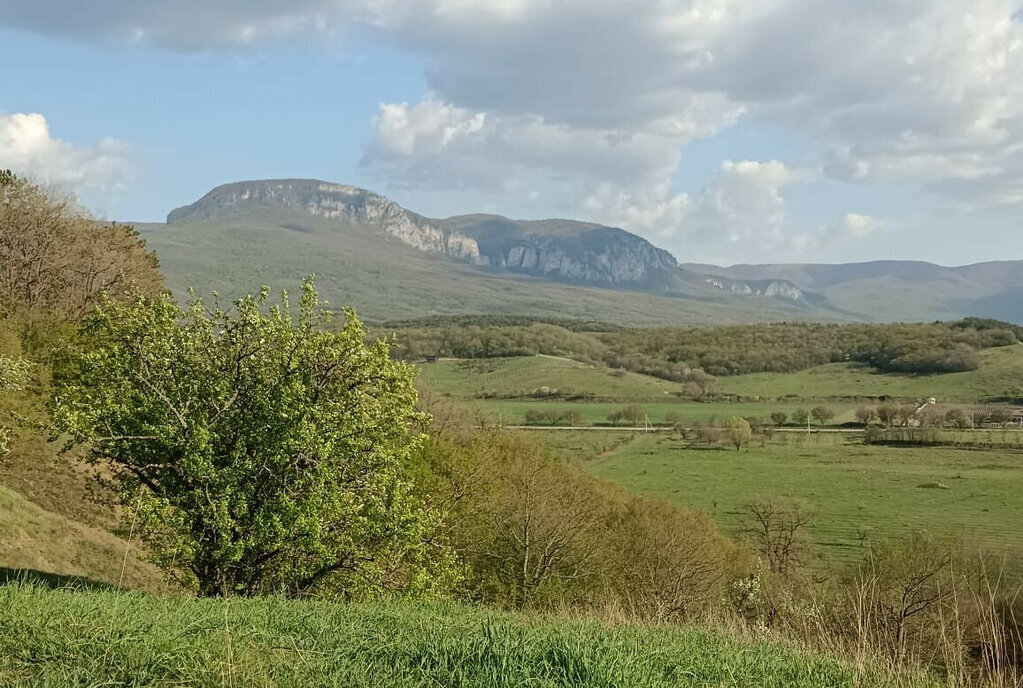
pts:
pixel 347 205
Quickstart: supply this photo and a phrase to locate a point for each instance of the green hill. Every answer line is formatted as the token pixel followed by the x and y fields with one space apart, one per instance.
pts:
pixel 999 378
pixel 63 638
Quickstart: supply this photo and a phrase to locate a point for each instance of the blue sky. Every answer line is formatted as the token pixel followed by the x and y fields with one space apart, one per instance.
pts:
pixel 723 130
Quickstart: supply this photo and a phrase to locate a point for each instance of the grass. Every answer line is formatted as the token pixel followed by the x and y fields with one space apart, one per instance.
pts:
pixel 34 539
pixel 525 376
pixel 999 377
pixel 858 491
pixel 385 280
pixel 62 638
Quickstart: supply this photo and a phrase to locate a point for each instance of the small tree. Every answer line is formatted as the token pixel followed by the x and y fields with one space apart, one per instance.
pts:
pixel 634 413
pixel 800 416
pixel 615 417
pixel 779 418
pixel 738 432
pixel 822 414
pixel 676 421
pixel 957 418
pixel 777 530
pixel 887 414
pixel 571 418
pixel 865 415
pixel 262 452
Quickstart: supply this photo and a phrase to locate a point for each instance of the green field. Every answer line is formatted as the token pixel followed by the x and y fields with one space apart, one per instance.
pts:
pixel 999 377
pixel 526 376
pixel 857 490
pixel 64 638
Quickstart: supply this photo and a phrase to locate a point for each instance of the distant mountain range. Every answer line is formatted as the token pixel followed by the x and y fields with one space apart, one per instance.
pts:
pixel 392 263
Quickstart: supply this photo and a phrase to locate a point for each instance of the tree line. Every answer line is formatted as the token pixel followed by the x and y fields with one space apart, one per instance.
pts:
pixel 697 354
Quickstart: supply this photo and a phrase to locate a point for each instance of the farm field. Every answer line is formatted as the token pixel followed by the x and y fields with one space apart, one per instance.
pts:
pixel 70 638
pixel 999 377
pixel 858 491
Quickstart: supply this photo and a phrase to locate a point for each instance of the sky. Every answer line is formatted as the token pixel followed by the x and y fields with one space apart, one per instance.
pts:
pixel 726 131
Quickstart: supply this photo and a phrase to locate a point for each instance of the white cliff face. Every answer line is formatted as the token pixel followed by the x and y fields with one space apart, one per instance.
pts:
pixel 622 262
pixel 778 288
pixel 345 204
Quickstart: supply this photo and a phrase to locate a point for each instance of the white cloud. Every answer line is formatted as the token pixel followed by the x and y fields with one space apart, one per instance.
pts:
pixel 596 100
pixel 858 226
pixel 434 144
pixel 27 148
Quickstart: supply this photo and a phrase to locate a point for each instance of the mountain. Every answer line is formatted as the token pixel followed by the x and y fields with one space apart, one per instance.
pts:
pixel 898 290
pixel 391 263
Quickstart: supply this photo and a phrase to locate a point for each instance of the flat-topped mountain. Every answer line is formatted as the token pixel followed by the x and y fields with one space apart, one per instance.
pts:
pixel 562 250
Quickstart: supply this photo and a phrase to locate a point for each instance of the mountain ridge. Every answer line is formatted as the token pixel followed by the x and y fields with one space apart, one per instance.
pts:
pixel 377 252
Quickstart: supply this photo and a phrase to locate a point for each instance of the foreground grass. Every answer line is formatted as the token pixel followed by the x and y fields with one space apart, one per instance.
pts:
pixel 67 638
pixel 858 491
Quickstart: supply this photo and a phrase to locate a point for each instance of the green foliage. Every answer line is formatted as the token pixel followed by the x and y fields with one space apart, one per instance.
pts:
pixel 738 432
pixel 693 355
pixel 261 452
pixel 13 376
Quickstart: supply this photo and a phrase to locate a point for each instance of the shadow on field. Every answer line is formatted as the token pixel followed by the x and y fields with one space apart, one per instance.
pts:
pixel 51 581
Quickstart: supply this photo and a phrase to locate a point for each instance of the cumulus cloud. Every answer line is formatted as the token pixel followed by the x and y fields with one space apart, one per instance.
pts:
pixel 858 226
pixel 28 148
pixel 438 145
pixel 598 99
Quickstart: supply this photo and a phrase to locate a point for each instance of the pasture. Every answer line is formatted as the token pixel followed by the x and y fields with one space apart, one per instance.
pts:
pixel 859 492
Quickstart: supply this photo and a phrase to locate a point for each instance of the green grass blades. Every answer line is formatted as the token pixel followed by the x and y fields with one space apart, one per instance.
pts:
pixel 62 638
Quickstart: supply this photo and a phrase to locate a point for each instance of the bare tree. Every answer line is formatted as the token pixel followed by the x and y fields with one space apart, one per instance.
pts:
pixel 777 531
pixel 54 257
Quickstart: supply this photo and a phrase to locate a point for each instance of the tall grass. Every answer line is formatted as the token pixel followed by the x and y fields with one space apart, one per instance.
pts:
pixel 75 638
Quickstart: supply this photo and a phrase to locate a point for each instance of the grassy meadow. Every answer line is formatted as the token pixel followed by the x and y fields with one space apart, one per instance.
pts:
pixel 858 491
pixel 61 638
pixel 999 377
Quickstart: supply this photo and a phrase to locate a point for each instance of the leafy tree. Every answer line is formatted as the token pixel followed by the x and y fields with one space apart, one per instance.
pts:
pixel 615 417
pixel 262 452
pixel 738 432
pixel 779 418
pixel 822 414
pixel 634 413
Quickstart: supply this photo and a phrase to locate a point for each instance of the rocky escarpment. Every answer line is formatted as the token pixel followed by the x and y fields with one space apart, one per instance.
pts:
pixel 568 251
pixel 346 205
pixel 781 289
pixel 562 250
